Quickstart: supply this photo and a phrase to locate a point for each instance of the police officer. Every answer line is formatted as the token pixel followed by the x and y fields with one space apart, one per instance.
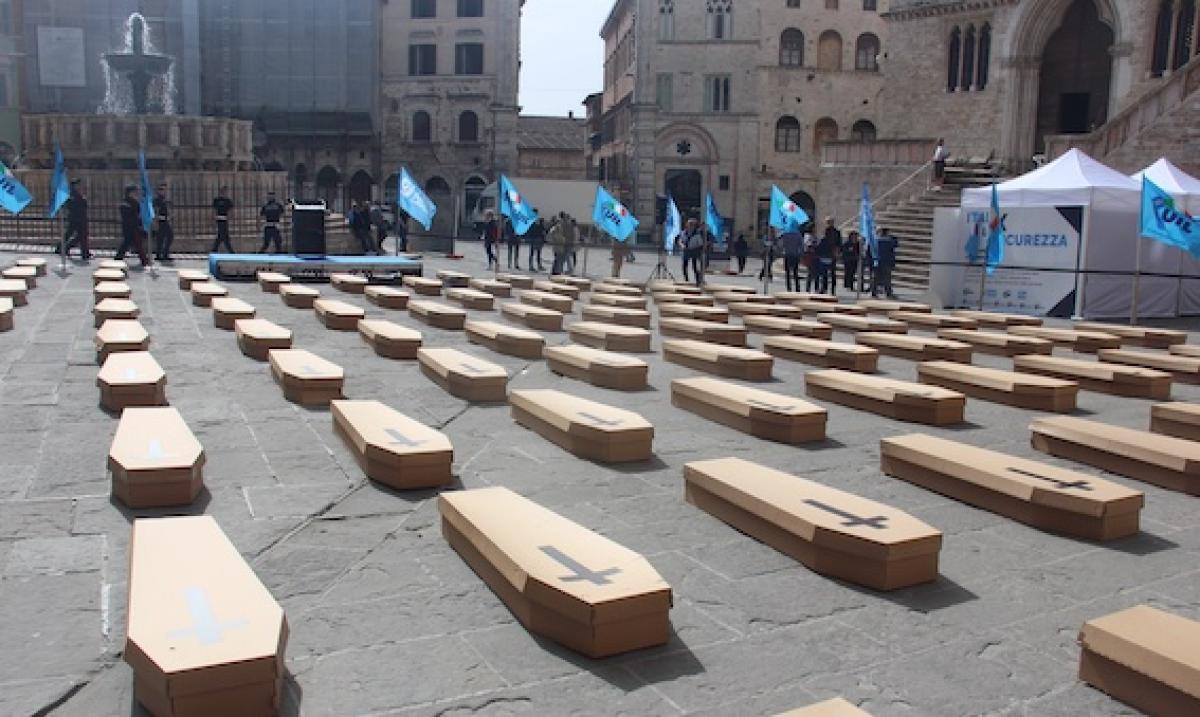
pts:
pixel 77 221
pixel 164 235
pixel 222 206
pixel 133 235
pixel 272 214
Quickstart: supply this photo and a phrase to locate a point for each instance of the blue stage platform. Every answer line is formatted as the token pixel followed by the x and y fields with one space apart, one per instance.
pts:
pixel 314 268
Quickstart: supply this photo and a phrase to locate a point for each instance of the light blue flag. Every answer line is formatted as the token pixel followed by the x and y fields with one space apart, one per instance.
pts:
pixel 413 201
pixel 996 238
pixel 13 195
pixel 672 225
pixel 1167 223
pixel 712 218
pixel 60 189
pixel 147 193
pixel 786 215
pixel 612 217
pixel 866 224
pixel 513 206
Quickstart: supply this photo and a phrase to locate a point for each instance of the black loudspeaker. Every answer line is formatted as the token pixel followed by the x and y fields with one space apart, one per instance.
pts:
pixel 308 230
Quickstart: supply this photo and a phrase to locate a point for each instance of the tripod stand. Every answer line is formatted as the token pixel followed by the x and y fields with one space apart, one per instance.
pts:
pixel 660 271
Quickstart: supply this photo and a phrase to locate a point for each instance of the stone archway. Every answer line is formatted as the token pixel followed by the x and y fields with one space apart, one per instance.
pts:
pixel 1075 76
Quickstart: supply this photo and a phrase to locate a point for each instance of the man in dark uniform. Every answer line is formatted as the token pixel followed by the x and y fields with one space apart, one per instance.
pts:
pixel 77 221
pixel 133 234
pixel 222 206
pixel 164 235
pixel 272 214
pixel 402 230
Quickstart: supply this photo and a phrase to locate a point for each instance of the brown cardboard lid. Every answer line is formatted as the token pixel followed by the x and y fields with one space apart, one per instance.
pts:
pixel 431 308
pixel 730 289
pixel 271 277
pixel 121 331
pixel 452 362
pixel 860 322
pixel 110 287
pixel 347 279
pixel 818 347
pixel 109 274
pixel 931 319
pixel 385 291
pixel 1020 478
pixel 1156 643
pixel 334 307
pixel 490 284
pixel 516 309
pixel 462 292
pixel 615 310
pixel 6 305
pixel 115 306
pixel 195 606
pixel 890 305
pixel 130 368
pixel 421 281
pixel 154 438
pixel 741 297
pixel 600 329
pixel 1165 451
pixel 1096 370
pixel 995 317
pixel 494 329
pixel 451 274
pixel 990 338
pixel 752 403
pixel 227 305
pixel 1010 381
pixel 908 341
pixel 586 357
pixel 1063 335
pixel 698 326
pixel 815 512
pixel 209 288
pixel 194 275
pixel 581 417
pixel 714 352
pixel 539 295
pixel 551 560
pixel 304 365
pixel 1177 411
pixel 1126 331
pixel 879 387
pixel 374 328
pixel 383 433
pixel 836 707
pixel 32 261
pixel 261 329
pixel 1151 359
pixel 299 290
pixel 783 323
pixel 804 296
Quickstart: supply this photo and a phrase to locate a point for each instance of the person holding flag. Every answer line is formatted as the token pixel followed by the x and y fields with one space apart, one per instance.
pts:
pixel 14 197
pixel 133 225
pixel 77 222
pixel 715 224
pixel 611 217
pixel 514 206
pixel 870 240
pixel 413 202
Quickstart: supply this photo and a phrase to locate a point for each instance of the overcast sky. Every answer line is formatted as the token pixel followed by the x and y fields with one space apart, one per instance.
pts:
pixel 562 55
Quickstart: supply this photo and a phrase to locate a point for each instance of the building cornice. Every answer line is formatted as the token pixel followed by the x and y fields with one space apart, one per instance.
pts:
pixel 951 8
pixel 613 16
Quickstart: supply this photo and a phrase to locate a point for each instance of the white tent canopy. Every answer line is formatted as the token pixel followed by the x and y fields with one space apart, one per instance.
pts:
pixel 1172 180
pixel 1186 189
pixel 1072 179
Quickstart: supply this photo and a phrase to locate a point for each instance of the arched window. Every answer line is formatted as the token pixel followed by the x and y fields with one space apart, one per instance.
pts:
pixel 666 20
pixel 953 55
pixel 985 56
pixel 863 131
pixel 468 127
pixel 436 185
pixel 829 51
pixel 720 19
pixel 390 186
pixel 422 127
pixel 791 48
pixel 967 79
pixel 866 53
pixel 1185 30
pixel 1162 39
pixel 787 134
pixel 825 130
pixel 360 186
pixel 472 191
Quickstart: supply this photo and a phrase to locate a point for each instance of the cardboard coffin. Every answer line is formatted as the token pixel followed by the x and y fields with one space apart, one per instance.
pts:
pixel 1144 657
pixel 888 397
pixel 576 281
pixel 1166 461
pixel 559 579
pixel 831 532
pixel 270 281
pixel 1178 419
pixel 852 324
pixel 506 339
pixel 390 340
pixel 1079 341
pixel 1137 335
pixel 588 429
pixel 1023 390
pixel 338 315
pixel 21 273
pixel 815 308
pixel 730 297
pixel 227 310
pixel 471 298
pixel 424 287
pixel 729 289
pixel 1037 494
pixel 674 287
pixel 554 287
pixel 610 337
pixel 15 290
pixel 387 297
pixel 6 314
pixel 111 290
pixel 463 375
pixel 499 289
pixel 613 289
pixel 762 414
pixel 621 300
pixel 187 277
pixel 786 311
pixel 119 264
pixel 996 320
pixel 836 707
pixel 675 297
pixel 516 281
pixel 932 322
pixel 827 354
pixel 131 378
pixel 115 309
pixel 392 448
pixel 451 278
pixel 1182 368
pixel 349 283
pixel 778 326
pixel 719 359
pixel 155 460
pixel 535 317
pixel 547 300
pixel 887 306
pixel 1118 380
pixel 1189 350
pixel 915 348
pixel 715 314
pixel 793 297
pixel 597 367
pixel 306 378
pixel 203 292
pixel 998 343
pixel 710 331
pixel 299 297
pixel 438 315
pixel 256 337
pixel 37 263
pixel 617 315
pixel 120 335
pixel 617 281
pixel 103 274
pixel 204 636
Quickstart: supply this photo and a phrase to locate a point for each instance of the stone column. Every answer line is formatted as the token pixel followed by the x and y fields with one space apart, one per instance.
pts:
pixel 1122 76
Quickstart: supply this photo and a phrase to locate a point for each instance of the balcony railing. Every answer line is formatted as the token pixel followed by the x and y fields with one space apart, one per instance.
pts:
pixel 890 152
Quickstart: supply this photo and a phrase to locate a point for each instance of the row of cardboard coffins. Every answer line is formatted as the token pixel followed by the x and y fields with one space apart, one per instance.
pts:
pixel 15 283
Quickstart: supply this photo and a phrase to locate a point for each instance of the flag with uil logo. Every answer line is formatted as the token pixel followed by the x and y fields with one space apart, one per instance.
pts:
pixel 413 201
pixel 514 206
pixel 1164 221
pixel 612 217
pixel 13 195
pixel 672 225
pixel 786 215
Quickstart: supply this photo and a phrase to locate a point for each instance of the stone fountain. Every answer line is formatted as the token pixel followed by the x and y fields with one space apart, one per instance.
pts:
pixel 139 66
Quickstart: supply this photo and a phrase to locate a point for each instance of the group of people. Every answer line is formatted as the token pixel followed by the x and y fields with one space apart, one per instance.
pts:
pixel 562 233
pixel 820 257
pixel 366 216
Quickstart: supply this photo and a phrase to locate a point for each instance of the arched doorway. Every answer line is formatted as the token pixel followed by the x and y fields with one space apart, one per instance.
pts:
pixel 299 179
pixel 805 201
pixel 439 193
pixel 328 180
pixel 360 186
pixel 1075 75
pixel 685 186
pixel 472 191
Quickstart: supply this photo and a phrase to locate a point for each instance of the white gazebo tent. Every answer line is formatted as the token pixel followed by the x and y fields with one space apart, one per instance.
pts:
pixel 1184 292
pixel 1110 203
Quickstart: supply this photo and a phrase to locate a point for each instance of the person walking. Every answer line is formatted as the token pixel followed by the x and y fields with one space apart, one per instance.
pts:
pixel 768 253
pixel 164 234
pixel 491 233
pixel 620 251
pixel 791 244
pixel 380 222
pixel 271 213
pixel 513 241
pixel 851 252
pixel 558 244
pixel 222 205
pixel 940 155
pixel 401 231
pixel 827 251
pixel 741 249
pixel 693 251
pixel 77 222
pixel 537 239
pixel 133 234
pixel 360 226
pixel 809 258
pixel 882 278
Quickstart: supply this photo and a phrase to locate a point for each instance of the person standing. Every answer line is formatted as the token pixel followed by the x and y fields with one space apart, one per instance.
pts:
pixel 768 254
pixel 537 238
pixel 558 243
pixel 491 232
pixel 827 251
pixel 164 234
pixel 360 226
pixel 809 258
pixel 940 154
pixel 380 222
pixel 791 243
pixel 271 213
pixel 851 252
pixel 77 222
pixel 222 206
pixel 402 230
pixel 513 241
pixel 741 249
pixel 693 251
pixel 620 250
pixel 882 278
pixel 574 239
pixel 133 234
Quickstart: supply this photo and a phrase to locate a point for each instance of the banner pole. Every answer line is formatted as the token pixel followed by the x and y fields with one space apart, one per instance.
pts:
pixel 982 283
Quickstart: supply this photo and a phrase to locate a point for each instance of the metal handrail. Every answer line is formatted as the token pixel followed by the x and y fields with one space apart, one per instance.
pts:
pixel 851 222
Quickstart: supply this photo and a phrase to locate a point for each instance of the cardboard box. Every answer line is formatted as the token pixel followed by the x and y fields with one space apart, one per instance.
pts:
pixel 422 286
pixel 599 368
pixel 387 297
pixel 1037 494
pixel 299 297
pixel 620 300
pixel 1115 379
pixel 111 290
pixel 204 636
pixel 1181 420
pixel 392 448
pixel 1078 341
pixel 28 274
pixel 256 337
pixel 778 326
pixel 1023 390
pixel 728 297
pixel 617 315
pixel 120 335
pixel 792 297
pixel 1144 657
pixel 772 416
pixel 786 311
pixel 674 287
pixel 464 376
pixel 1137 335
pixel 535 317
pixel 610 337
pixel 836 707
pixel 349 283
pixel 676 297
pixel 6 314
pixel 472 299
pixel 710 331
pixel 155 460
pixel 853 324
pixel 453 279
pixel 203 292
pixel 15 290
pixel 438 315
pixel 915 348
pixel 338 315
pixel 816 308
pixel 715 314
pixel 226 311
pixel 559 579
pixel 831 532
pixel 586 428
pixel 1166 461
pixel 554 287
pixel 496 288
pixel 270 281
pixel 719 359
pixel 187 277
pixel 996 320
pixel 610 287
pixel 546 300
pixel 117 264
pixel 306 378
pixel 998 343
pixel 932 322
pixel 390 340
pixel 576 281
pixel 618 281
pixel 37 263
pixel 827 354
pixel 900 400
pixel 108 275
pixel 729 289
pixel 1184 369
pixel 131 378
pixel 884 307
pixel 516 281
pixel 115 309
pixel 505 339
